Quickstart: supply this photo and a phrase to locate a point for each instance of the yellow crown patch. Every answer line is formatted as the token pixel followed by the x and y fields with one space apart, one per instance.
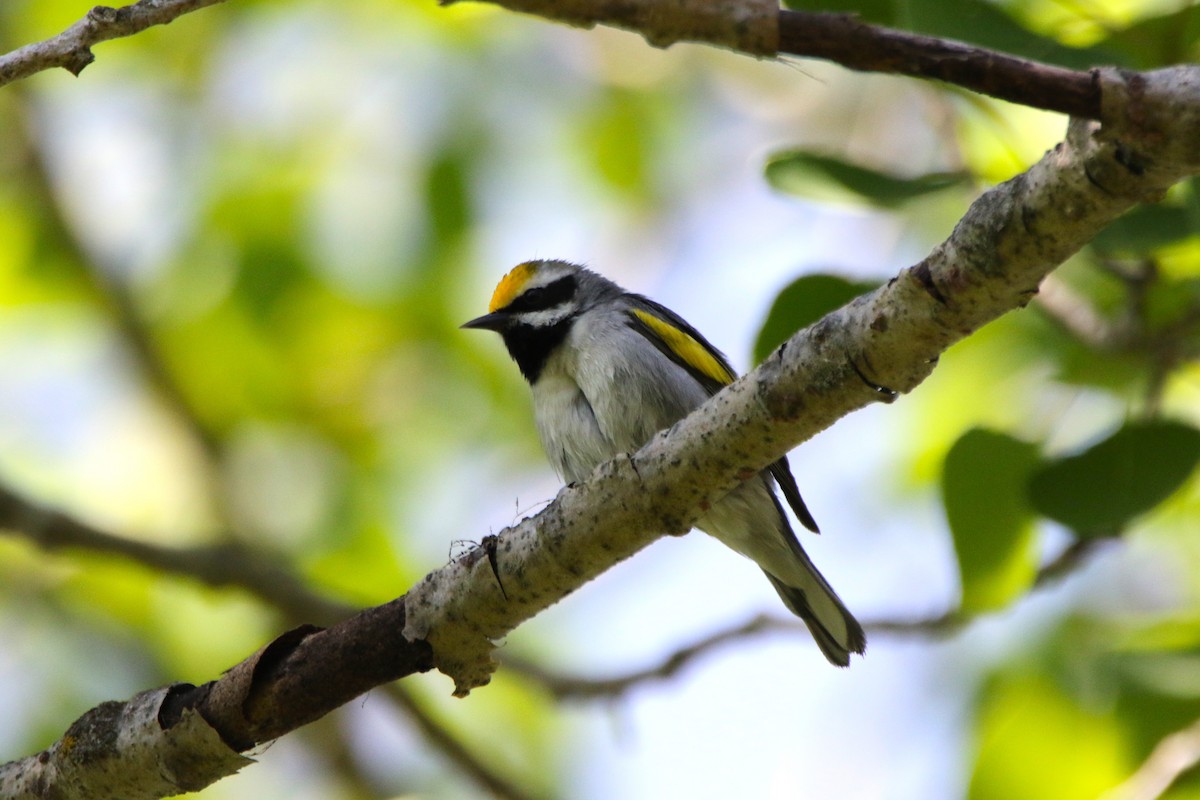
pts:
pixel 511 285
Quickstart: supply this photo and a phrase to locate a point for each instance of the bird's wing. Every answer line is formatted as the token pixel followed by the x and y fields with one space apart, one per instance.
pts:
pixel 688 348
pixel 680 342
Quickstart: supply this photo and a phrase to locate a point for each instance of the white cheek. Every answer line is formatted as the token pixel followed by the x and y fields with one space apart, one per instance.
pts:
pixel 546 317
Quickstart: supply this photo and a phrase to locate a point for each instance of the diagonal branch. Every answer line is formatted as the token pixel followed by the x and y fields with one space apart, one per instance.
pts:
pixel 1009 240
pixel 235 565
pixel 113 297
pixel 72 49
pixel 570 687
pixel 454 750
pixel 218 565
pixel 1171 758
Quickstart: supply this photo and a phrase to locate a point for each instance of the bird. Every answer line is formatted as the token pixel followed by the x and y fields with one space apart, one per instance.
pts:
pixel 609 369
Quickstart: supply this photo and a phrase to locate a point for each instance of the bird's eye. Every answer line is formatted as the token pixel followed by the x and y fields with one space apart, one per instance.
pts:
pixel 540 298
pixel 534 297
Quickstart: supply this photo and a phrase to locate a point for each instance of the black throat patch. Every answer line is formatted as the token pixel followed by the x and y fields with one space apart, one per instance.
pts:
pixel 530 347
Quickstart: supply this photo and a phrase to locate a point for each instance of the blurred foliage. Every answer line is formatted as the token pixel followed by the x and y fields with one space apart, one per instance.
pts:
pixel 984 490
pixel 830 179
pixel 235 252
pixel 1007 433
pixel 1099 491
pixel 802 303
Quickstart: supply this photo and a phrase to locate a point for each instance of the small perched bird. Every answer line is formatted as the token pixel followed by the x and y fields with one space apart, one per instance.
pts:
pixel 609 369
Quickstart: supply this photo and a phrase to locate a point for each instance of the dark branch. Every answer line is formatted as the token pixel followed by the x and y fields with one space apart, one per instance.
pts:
pixel 568 687
pixel 841 38
pixel 844 39
pixel 218 565
pixel 233 565
pixel 576 688
pixel 454 750
pixel 112 296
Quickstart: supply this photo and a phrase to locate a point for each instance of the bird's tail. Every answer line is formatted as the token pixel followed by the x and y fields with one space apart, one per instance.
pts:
pixel 834 628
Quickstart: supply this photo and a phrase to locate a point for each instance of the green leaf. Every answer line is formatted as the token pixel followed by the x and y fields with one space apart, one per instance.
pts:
pixel 983 488
pixel 974 21
pixel 1155 41
pixel 1098 491
pixel 802 303
pixel 616 137
pixel 1169 303
pixel 824 178
pixel 1146 228
pixel 988 25
pixel 448 198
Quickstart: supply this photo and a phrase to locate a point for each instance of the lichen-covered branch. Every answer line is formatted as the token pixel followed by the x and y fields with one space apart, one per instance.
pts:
pixel 232 565
pixel 993 262
pixel 72 49
pixel 121 750
pixel 881 344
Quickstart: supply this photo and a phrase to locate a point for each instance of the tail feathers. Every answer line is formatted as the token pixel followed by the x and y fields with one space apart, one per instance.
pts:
pixel 834 628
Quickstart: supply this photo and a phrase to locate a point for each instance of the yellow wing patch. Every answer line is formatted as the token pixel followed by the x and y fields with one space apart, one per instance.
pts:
pixel 694 354
pixel 511 285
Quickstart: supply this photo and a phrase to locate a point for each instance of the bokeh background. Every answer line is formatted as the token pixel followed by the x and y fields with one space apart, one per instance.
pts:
pixel 234 255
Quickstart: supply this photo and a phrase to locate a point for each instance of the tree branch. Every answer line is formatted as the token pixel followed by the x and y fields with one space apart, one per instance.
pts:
pixel 756 27
pixel 454 750
pixel 183 737
pixel 1171 757
pixel 841 38
pixel 1010 239
pixel 577 688
pixel 218 565
pixel 72 49
pixel 111 295
pixel 235 565
pixel 844 39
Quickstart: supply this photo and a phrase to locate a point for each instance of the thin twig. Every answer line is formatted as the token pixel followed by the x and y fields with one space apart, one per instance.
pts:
pixel 72 49
pixel 234 564
pixel 568 687
pixel 114 297
pixel 1069 560
pixel 217 565
pixel 451 747
pixel 1076 315
pixel 1171 757
pixel 577 688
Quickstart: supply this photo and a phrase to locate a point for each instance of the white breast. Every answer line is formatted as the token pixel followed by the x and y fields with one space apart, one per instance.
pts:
pixel 570 434
pixel 606 391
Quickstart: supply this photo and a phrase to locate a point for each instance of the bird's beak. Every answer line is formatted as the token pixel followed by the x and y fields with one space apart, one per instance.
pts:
pixel 489 322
